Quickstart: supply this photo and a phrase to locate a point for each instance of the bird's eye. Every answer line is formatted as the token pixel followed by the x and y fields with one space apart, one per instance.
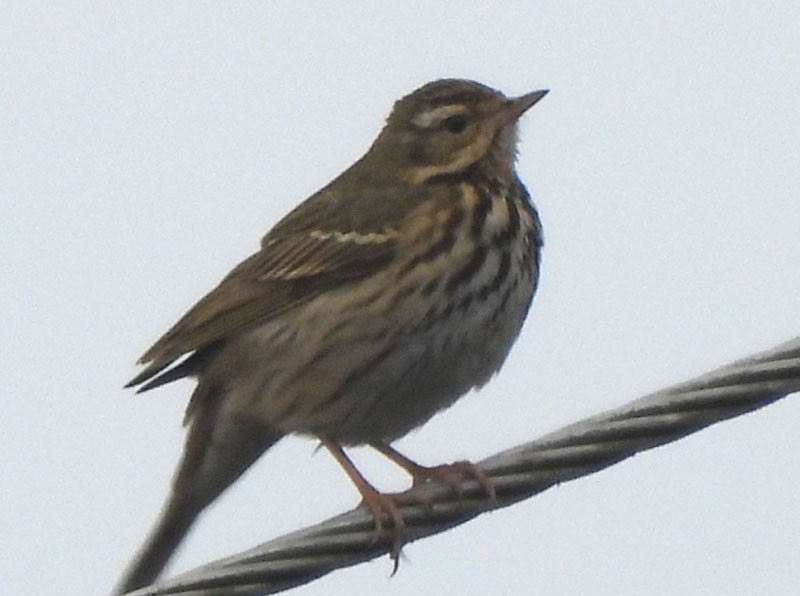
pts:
pixel 455 124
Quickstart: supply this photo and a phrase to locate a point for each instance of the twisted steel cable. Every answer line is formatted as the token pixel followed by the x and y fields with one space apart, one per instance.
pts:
pixel 518 473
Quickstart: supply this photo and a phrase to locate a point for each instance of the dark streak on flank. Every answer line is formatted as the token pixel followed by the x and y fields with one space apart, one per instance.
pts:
pixel 294 406
pixel 343 323
pixel 469 270
pixel 502 306
pixel 502 272
pixel 430 287
pixel 481 212
pixel 354 376
pixel 427 322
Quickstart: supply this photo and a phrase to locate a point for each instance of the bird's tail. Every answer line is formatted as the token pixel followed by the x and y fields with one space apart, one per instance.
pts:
pixel 219 447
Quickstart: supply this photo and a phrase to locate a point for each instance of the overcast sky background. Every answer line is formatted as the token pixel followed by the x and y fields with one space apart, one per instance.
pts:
pixel 146 147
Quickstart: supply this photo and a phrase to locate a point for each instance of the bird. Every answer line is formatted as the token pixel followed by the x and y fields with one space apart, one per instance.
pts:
pixel 374 304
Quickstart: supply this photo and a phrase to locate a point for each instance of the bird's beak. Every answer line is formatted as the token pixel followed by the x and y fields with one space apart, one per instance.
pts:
pixel 517 106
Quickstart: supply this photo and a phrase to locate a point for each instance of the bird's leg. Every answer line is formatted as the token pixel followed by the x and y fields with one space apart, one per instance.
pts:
pixel 451 474
pixel 379 504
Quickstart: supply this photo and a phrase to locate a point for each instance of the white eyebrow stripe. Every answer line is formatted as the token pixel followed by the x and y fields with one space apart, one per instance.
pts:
pixel 426 119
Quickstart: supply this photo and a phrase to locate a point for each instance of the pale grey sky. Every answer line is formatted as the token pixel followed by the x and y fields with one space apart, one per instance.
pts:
pixel 146 147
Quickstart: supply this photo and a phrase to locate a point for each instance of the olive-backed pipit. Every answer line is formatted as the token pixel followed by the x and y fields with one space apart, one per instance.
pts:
pixel 370 307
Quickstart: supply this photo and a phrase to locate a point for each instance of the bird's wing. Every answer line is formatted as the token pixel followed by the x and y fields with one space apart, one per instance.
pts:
pixel 289 269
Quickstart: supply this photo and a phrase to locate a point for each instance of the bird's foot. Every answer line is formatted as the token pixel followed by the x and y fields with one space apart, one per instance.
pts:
pixel 386 506
pixel 452 474
pixel 383 506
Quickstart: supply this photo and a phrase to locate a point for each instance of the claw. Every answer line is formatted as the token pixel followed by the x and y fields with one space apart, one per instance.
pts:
pixel 386 506
pixel 381 505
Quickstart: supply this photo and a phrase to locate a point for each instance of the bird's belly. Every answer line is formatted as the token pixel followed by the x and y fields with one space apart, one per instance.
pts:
pixel 360 369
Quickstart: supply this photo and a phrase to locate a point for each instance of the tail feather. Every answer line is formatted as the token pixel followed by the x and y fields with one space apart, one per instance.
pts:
pixel 219 448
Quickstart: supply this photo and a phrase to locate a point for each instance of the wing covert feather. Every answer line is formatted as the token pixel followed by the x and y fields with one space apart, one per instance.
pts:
pixel 288 270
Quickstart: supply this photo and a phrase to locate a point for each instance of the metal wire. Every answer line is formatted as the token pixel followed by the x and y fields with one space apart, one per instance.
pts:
pixel 518 473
